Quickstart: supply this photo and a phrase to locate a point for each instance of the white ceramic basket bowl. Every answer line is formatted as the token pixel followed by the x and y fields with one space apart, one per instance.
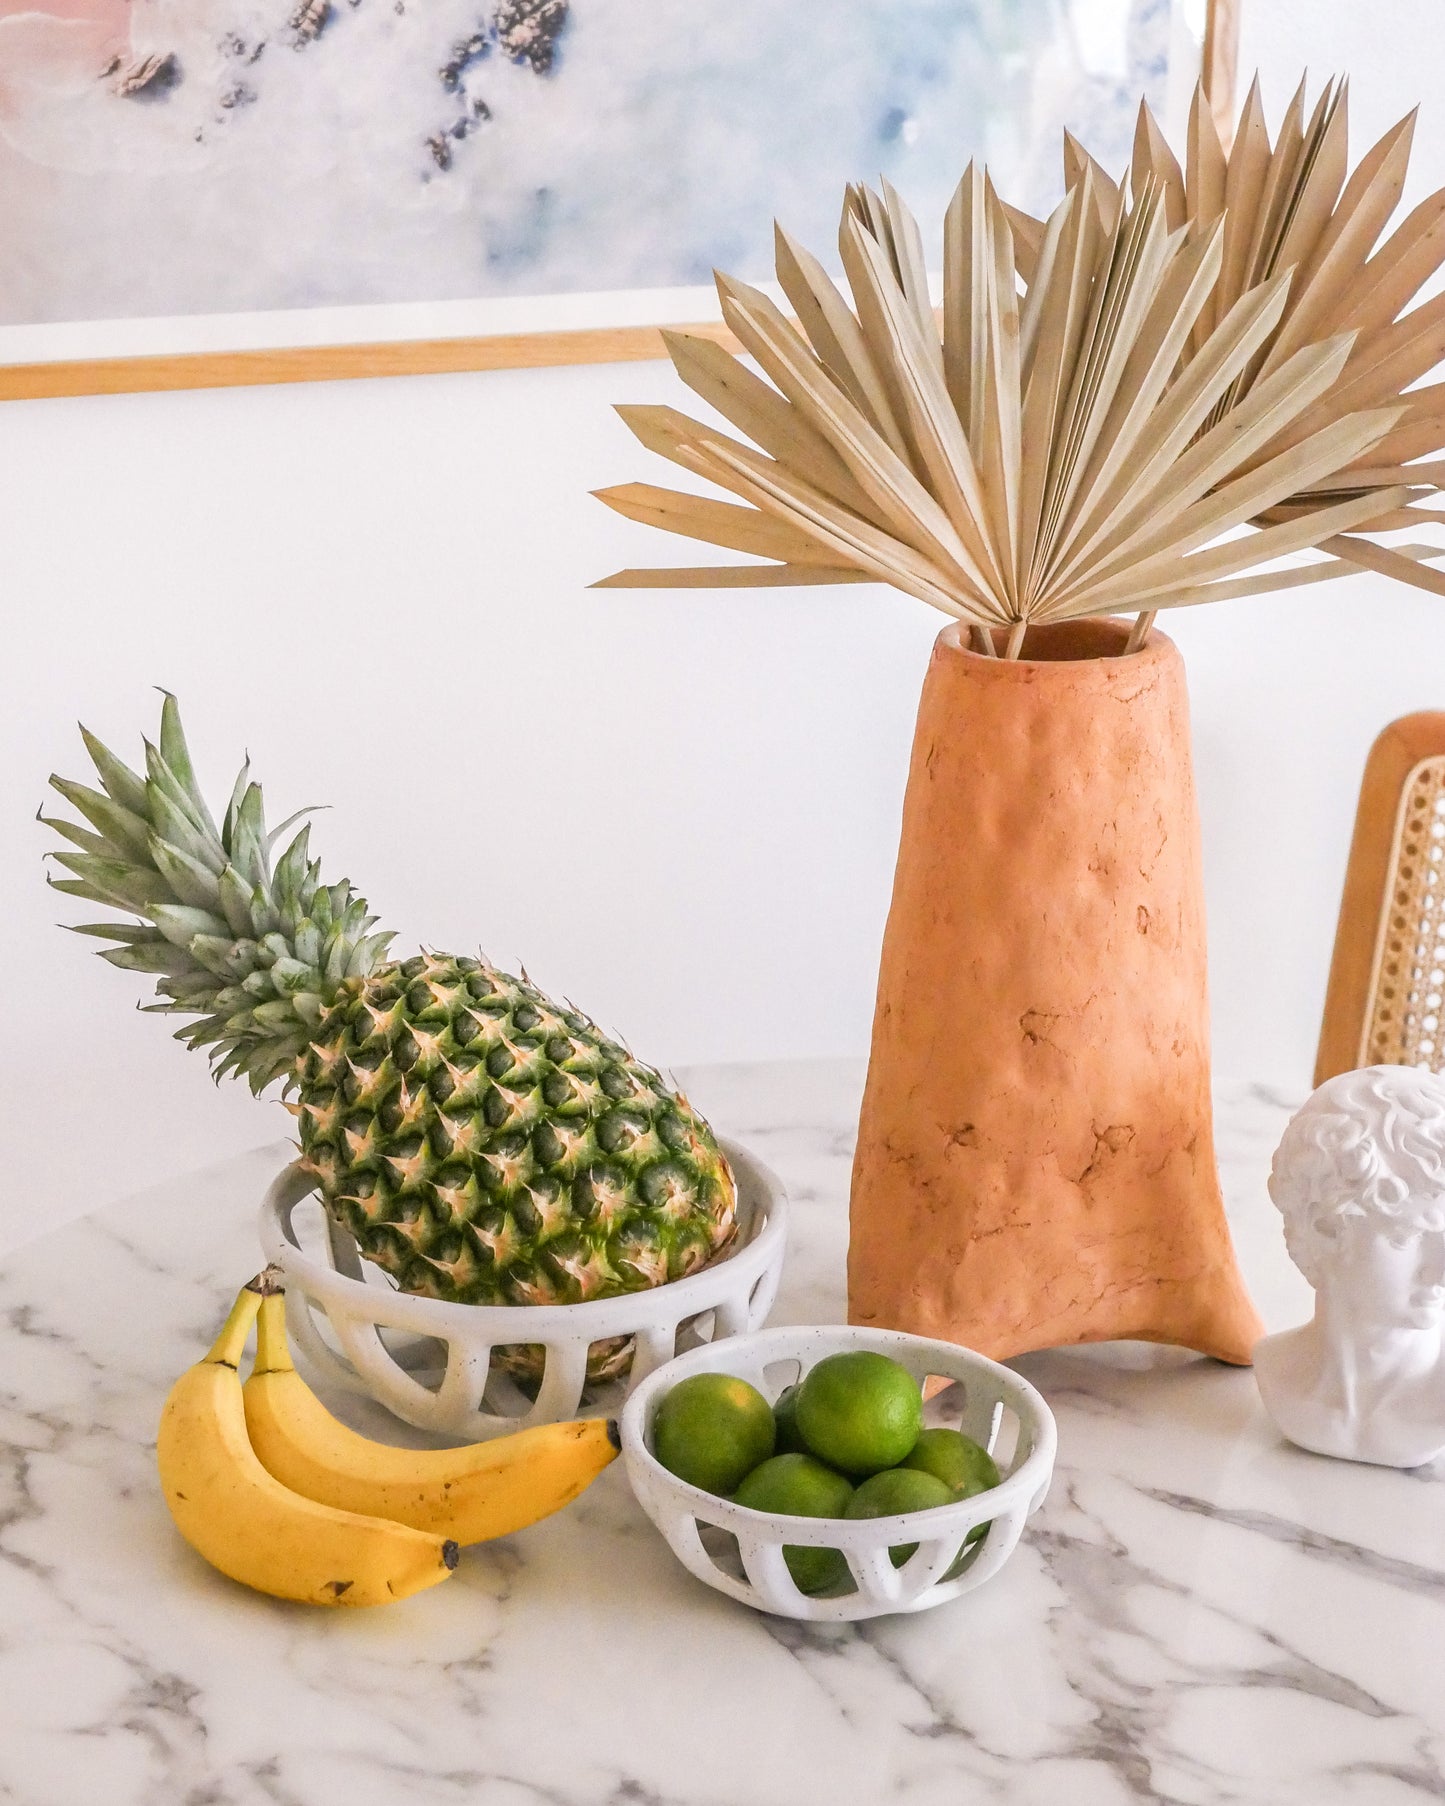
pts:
pixel 455 1341
pixel 771 1360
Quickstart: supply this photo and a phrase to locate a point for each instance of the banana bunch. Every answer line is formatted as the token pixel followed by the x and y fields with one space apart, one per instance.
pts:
pixel 271 1489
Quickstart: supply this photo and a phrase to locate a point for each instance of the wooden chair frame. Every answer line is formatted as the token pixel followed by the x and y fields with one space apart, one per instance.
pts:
pixel 1384 1001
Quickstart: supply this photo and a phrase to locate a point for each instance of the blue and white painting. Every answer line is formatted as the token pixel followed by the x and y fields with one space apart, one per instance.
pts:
pixel 166 157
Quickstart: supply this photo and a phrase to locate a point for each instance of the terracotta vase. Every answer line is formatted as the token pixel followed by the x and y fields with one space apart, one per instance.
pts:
pixel 1035 1161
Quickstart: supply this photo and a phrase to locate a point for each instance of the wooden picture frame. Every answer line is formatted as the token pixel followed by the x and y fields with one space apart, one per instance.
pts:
pixel 439 356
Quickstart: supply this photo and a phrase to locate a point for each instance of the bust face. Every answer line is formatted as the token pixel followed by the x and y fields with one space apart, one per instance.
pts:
pixel 1359 1178
pixel 1393 1277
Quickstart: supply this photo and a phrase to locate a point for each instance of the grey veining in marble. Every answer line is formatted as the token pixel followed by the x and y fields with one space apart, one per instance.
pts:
pixel 1200 1615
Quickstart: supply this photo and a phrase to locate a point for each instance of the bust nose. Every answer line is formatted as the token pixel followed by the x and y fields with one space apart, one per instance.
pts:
pixel 1432 1259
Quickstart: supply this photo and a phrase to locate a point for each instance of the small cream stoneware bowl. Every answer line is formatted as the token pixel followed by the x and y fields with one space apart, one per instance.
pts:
pixel 430 1363
pixel 740 1552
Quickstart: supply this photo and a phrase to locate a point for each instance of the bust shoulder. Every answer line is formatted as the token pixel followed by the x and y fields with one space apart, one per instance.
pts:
pixel 1388 1416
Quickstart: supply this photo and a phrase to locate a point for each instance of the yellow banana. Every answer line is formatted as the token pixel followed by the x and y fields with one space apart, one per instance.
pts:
pixel 247 1524
pixel 472 1494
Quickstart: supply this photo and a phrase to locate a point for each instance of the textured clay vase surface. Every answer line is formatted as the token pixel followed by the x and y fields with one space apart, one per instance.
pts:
pixel 1035 1161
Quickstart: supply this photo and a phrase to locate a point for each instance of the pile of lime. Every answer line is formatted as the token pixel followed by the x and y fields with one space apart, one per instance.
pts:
pixel 847 1441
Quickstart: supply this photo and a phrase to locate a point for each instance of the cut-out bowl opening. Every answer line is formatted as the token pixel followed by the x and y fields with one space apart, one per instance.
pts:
pixel 943 1402
pixel 505 1396
pixel 609 1360
pixel 1004 1445
pixel 778 1376
pixel 722 1550
pixel 430 1378
pixel 844 1587
pixel 414 1354
pixel 320 1322
pixel 693 1331
pixel 309 1225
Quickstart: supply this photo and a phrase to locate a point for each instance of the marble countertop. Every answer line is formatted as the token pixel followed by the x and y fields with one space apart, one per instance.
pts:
pixel 1200 1614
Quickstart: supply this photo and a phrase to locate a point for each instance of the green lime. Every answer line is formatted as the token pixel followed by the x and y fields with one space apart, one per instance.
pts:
pixel 800 1486
pixel 859 1411
pixel 711 1429
pixel 899 1489
pixel 962 1465
pixel 785 1415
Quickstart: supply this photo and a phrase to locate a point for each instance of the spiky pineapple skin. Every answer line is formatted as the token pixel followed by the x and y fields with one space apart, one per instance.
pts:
pixel 486 1146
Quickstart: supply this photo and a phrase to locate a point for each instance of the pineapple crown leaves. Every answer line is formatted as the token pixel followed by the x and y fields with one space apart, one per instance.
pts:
pixel 256 953
pixel 1145 400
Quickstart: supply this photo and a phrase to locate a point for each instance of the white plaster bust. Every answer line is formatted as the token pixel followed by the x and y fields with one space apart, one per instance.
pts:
pixel 1360 1181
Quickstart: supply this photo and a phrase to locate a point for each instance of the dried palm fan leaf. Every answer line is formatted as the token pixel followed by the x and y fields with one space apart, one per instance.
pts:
pixel 1294 205
pixel 1118 408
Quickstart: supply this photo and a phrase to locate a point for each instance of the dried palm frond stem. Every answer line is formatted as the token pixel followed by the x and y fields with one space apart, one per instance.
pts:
pixel 1139 403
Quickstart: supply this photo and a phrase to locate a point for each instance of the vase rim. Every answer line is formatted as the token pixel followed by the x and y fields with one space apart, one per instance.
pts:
pixel 1086 640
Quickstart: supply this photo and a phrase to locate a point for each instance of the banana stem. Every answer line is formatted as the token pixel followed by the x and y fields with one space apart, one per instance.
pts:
pixel 273 1355
pixel 230 1345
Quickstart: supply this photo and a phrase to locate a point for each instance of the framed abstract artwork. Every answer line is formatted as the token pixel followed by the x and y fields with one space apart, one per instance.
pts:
pixel 198 192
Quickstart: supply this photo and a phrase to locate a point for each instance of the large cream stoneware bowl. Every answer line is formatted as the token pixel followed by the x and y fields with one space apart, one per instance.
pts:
pixel 430 1363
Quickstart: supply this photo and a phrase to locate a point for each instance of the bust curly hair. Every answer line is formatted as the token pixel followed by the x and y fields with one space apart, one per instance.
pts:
pixel 1367 1144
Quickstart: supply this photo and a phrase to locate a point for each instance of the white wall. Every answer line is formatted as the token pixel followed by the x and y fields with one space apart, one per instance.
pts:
pixel 679 809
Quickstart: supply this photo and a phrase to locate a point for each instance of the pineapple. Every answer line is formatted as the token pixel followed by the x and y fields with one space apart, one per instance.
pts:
pixel 483 1144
